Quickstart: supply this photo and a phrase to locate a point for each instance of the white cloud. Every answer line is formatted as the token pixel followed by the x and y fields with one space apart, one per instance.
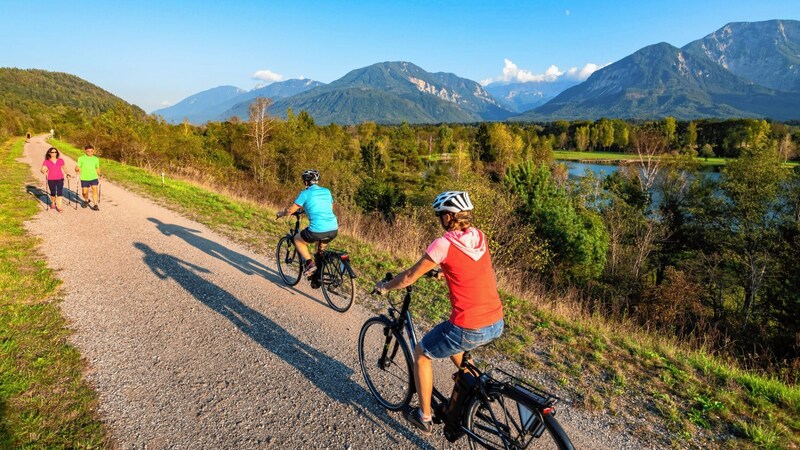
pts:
pixel 513 74
pixel 268 76
pixel 581 74
pixel 166 103
pixel 567 12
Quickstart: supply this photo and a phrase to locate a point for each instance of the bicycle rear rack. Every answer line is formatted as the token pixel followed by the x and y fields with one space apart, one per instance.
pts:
pixel 541 397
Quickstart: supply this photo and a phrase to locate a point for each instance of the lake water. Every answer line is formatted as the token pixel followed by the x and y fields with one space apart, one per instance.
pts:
pixel 579 169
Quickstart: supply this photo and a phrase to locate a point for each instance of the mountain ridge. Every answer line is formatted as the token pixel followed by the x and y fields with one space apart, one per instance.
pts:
pixel 687 83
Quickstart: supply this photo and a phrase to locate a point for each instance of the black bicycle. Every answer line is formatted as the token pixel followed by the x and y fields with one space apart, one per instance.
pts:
pixel 334 274
pixel 494 409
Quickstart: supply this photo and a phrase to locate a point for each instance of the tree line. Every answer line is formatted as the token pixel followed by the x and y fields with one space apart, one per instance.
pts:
pixel 712 262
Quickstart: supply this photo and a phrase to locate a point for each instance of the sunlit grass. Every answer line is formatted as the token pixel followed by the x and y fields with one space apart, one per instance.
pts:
pixel 44 402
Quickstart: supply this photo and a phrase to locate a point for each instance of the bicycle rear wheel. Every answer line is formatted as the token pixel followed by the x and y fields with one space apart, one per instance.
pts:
pixel 386 363
pixel 517 421
pixel 289 261
pixel 338 288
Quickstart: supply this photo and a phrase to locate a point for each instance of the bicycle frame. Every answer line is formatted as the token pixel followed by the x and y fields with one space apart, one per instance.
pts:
pixel 404 323
pixel 401 322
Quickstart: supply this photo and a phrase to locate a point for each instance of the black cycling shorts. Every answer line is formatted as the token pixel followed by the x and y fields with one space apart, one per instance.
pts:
pixel 311 237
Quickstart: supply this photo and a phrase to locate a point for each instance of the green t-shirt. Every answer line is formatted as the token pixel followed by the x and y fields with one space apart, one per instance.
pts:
pixel 88 165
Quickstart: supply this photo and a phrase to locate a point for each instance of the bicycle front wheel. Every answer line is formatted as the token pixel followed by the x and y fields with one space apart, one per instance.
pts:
pixel 338 288
pixel 386 363
pixel 289 261
pixel 510 419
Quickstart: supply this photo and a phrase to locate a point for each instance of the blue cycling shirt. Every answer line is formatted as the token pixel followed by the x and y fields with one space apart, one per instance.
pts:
pixel 317 202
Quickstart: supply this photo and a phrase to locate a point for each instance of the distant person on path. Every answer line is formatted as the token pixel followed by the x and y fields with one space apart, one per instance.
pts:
pixel 53 166
pixel 476 314
pixel 88 167
pixel 323 226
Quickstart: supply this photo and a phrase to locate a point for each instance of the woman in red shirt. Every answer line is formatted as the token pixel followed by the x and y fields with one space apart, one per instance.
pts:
pixel 476 315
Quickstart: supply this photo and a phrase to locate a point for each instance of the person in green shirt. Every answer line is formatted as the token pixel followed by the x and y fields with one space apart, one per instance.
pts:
pixel 88 167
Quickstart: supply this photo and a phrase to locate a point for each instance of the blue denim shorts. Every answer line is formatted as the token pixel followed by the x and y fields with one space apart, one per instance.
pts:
pixel 446 339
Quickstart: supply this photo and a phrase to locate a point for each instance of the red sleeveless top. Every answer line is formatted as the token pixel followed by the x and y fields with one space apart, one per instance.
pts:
pixel 474 299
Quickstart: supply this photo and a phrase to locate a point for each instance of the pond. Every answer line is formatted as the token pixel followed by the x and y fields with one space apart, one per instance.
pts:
pixel 579 169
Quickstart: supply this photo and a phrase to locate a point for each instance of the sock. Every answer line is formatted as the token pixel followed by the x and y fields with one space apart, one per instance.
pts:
pixel 423 417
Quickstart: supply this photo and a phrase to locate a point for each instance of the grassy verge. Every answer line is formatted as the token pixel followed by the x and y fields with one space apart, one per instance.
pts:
pixel 44 402
pixel 613 156
pixel 688 398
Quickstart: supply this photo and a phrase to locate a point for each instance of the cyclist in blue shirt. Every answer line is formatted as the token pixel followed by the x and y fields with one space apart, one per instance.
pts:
pixel 317 202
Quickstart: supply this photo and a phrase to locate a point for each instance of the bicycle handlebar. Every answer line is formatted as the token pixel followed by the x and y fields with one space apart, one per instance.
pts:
pixel 433 273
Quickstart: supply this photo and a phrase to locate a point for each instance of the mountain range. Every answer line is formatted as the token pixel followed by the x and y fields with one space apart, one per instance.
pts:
pixel 744 69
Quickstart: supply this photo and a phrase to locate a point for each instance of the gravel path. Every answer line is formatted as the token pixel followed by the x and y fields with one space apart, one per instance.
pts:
pixel 193 341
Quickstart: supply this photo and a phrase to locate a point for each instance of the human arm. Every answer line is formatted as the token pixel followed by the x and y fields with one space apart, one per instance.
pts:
pixel 63 168
pixel 408 276
pixel 289 210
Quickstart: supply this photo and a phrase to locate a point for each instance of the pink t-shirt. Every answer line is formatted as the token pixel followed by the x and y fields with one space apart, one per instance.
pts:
pixel 54 169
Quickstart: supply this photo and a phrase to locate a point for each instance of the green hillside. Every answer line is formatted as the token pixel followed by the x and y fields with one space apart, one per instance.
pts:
pixel 35 100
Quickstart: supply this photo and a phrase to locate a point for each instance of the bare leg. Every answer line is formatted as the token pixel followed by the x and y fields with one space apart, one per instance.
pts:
pixel 302 247
pixel 423 376
pixel 94 194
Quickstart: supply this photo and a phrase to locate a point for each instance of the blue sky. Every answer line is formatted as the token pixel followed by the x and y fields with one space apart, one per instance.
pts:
pixel 156 53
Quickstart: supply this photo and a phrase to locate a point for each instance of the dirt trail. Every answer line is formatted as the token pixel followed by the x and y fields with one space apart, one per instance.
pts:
pixel 193 342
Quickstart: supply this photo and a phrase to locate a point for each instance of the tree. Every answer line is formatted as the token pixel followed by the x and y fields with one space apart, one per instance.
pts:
pixel 751 184
pixel 650 144
pixel 577 237
pixel 605 133
pixel 670 126
pixel 691 135
pixel 582 138
pixel 506 145
pixel 260 126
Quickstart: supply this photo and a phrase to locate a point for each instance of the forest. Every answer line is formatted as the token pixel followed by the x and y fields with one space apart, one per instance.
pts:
pixel 712 262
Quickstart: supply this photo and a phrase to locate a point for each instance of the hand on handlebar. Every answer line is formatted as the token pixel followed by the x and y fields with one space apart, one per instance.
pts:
pixel 435 273
pixel 380 286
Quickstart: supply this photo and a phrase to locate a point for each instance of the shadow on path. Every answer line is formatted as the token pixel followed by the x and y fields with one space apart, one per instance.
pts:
pixel 327 374
pixel 43 195
pixel 244 264
pixel 38 194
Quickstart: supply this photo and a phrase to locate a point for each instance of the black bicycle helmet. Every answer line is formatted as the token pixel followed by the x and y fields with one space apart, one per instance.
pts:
pixel 311 176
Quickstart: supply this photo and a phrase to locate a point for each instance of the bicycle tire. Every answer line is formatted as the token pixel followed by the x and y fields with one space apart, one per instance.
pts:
pixel 338 288
pixel 289 261
pixel 518 420
pixel 391 381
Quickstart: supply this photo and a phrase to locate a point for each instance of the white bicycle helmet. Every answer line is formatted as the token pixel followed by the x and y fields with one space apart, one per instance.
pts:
pixel 453 202
pixel 311 176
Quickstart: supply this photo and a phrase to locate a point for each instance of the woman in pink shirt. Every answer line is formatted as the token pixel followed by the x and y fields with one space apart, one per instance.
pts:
pixel 53 166
pixel 476 315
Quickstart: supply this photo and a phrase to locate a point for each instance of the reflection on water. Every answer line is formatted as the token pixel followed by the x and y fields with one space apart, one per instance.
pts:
pixel 579 169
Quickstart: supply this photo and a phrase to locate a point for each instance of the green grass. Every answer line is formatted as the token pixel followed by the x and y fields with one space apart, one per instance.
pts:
pixel 615 156
pixel 691 394
pixel 44 402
